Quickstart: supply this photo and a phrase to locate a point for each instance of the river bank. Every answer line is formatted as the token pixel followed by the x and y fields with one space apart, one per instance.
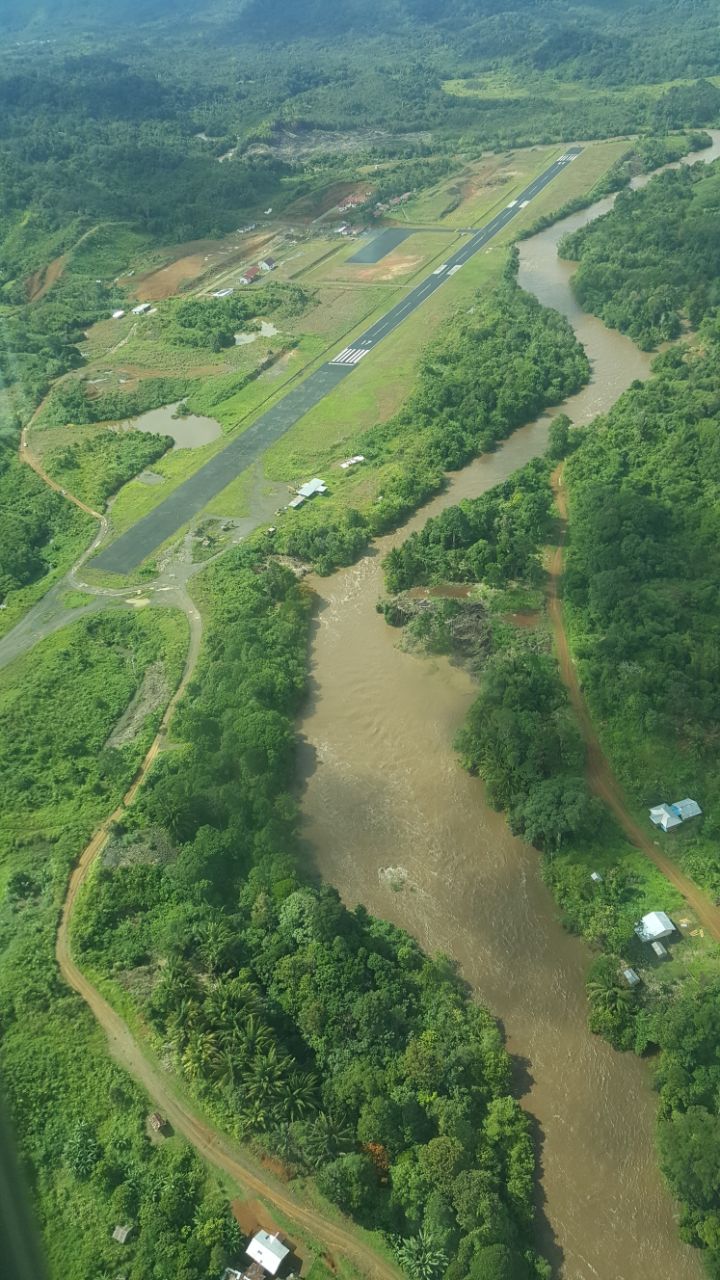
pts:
pixel 395 824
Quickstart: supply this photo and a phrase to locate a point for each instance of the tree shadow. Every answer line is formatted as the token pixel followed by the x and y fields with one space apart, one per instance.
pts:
pixel 546 1241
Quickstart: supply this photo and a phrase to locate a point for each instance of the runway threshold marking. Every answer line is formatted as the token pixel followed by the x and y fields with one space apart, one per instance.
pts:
pixel 351 355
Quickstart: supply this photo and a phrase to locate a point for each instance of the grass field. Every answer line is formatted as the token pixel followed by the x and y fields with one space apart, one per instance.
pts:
pixel 468 198
pixel 379 385
pixel 579 177
pixel 416 254
pixel 499 85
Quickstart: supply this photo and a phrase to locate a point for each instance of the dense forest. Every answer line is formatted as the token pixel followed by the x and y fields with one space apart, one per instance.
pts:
pixel 653 262
pixel 325 1034
pixel 641 568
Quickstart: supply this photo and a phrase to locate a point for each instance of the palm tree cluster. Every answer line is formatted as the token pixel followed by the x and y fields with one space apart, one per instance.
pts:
pixel 221 1038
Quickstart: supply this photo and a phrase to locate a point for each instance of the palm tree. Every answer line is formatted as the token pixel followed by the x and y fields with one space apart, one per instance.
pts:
pixel 264 1082
pixel 231 999
pixel 216 938
pixel 176 983
pixel 182 1022
pixel 201 1055
pixel 420 1256
pixel 248 1037
pixel 608 996
pixel 253 1117
pixel 326 1138
pixel 299 1095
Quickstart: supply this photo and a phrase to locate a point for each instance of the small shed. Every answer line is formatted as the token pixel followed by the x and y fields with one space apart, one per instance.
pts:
pixel 268 1250
pixel 268 264
pixel 296 502
pixel 312 487
pixel 142 309
pixel 596 877
pixel 157 1122
pixel 653 926
pixel 118 315
pixel 659 949
pixel 121 1233
pixel 631 977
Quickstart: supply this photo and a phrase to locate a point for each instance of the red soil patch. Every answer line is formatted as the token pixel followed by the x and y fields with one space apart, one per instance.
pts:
pixel 396 264
pixel 40 281
pixel 251 1215
pixel 164 283
pixel 525 618
pixel 193 260
pixel 275 1166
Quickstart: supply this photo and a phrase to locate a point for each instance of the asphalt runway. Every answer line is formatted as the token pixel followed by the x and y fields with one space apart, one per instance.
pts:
pixel 132 547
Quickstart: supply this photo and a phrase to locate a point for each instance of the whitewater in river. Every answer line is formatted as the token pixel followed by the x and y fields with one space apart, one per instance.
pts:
pixel 394 822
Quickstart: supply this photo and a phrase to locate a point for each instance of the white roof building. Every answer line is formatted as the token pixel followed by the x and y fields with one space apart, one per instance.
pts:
pixel 268 1250
pixel 664 816
pixel 141 309
pixel 655 925
pixel 312 487
pixel 631 977
pixel 668 816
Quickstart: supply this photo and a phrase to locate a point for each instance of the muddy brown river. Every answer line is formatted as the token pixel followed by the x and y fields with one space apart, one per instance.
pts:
pixel 397 825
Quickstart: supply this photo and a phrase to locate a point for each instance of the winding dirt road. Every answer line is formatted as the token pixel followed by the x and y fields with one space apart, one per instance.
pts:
pixel 600 775
pixel 209 1142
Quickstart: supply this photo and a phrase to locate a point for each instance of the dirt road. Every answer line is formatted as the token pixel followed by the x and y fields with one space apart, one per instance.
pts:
pixel 27 456
pixel 208 1141
pixel 600 775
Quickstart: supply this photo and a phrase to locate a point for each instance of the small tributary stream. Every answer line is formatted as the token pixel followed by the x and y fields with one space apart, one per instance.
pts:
pixel 395 824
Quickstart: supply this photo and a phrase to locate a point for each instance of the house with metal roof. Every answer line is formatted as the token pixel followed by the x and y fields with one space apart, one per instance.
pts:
pixel 667 816
pixel 268 1250
pixel 312 487
pixel 653 926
